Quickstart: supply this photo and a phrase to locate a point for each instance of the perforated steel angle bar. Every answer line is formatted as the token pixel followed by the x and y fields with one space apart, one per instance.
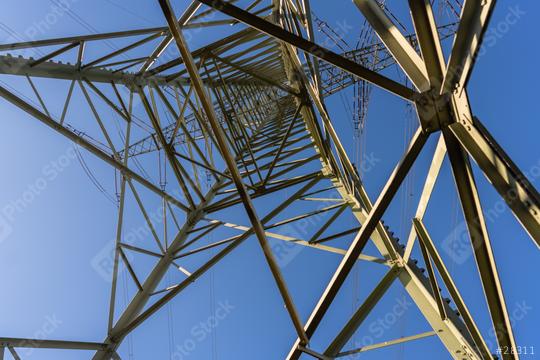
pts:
pixel 54 53
pixel 71 39
pixel 357 245
pixel 435 289
pixel 130 269
pixel 108 101
pixel 426 240
pixel 303 216
pixel 428 39
pixel 316 237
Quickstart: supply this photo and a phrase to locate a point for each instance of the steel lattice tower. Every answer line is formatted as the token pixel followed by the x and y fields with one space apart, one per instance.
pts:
pixel 248 111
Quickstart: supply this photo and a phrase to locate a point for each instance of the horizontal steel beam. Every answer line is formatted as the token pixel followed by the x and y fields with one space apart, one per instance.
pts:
pixel 86 38
pixel 79 38
pixel 311 48
pixel 50 344
pixel 387 343
pixel 10 65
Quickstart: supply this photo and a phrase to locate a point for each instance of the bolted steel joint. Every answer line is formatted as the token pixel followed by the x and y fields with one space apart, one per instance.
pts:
pixel 432 109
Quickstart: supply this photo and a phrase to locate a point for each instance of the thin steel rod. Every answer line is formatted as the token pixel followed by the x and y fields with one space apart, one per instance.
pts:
pixel 343 337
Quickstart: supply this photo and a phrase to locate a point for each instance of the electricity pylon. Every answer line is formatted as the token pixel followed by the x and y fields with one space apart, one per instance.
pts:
pixel 243 119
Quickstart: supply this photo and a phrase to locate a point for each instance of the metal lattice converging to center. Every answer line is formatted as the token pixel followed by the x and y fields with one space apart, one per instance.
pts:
pixel 241 123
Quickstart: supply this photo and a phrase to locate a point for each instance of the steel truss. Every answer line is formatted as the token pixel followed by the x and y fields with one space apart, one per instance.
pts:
pixel 248 114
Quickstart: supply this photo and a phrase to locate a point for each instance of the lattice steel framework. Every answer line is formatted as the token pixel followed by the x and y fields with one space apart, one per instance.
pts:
pixel 257 96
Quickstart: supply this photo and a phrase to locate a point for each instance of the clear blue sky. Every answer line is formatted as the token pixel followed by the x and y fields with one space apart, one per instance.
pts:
pixel 50 289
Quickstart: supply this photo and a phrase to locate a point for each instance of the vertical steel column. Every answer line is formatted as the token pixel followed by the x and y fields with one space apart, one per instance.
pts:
pixel 231 165
pixel 483 253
